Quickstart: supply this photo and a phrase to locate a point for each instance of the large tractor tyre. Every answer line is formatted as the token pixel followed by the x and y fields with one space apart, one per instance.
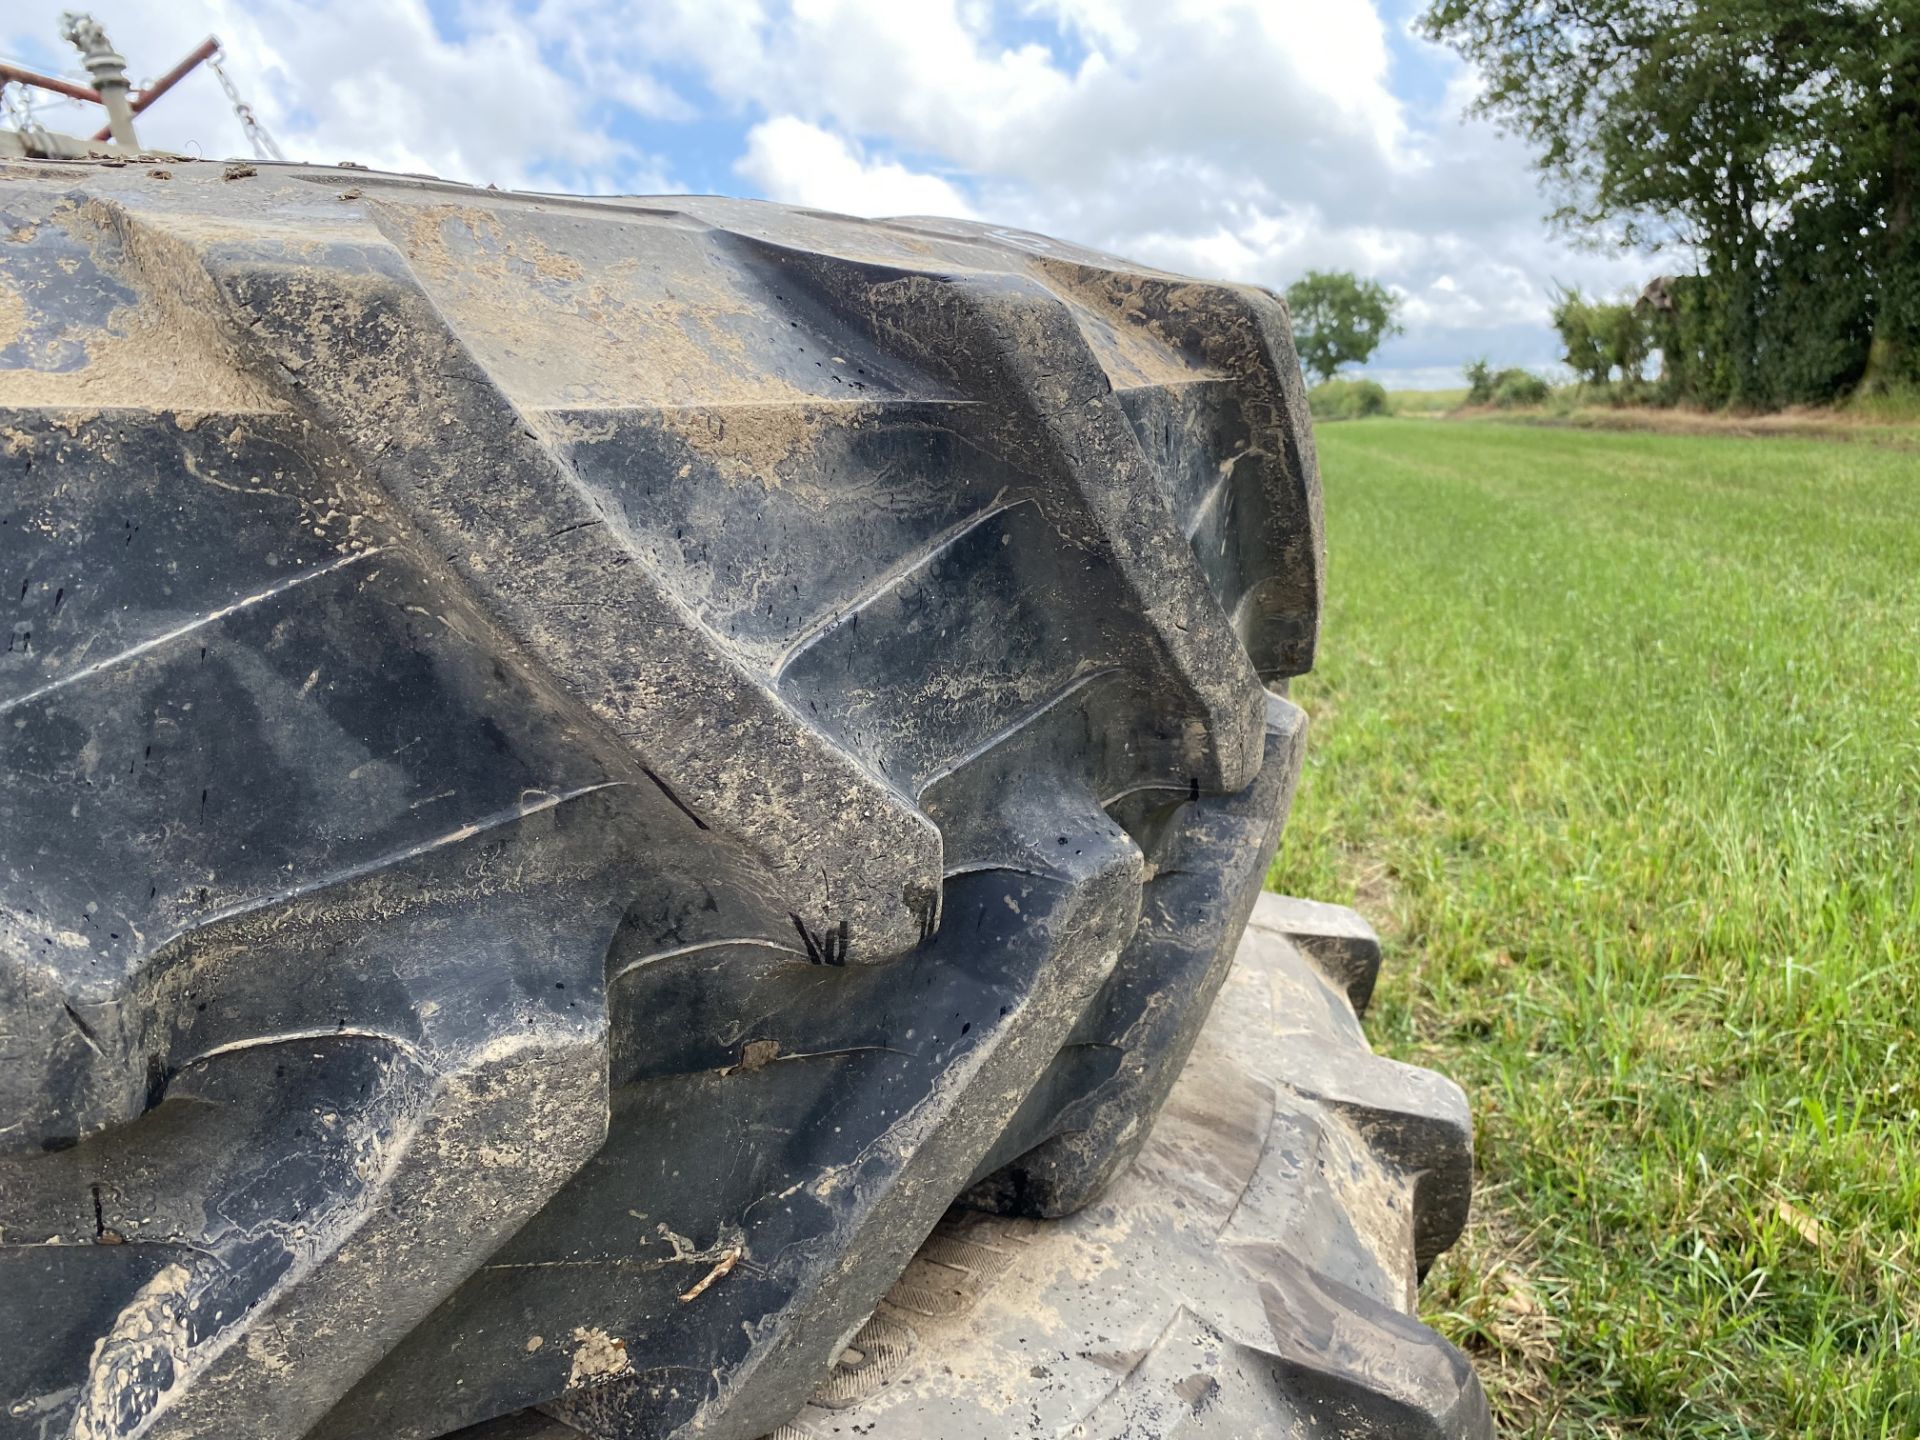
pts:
pixel 575 774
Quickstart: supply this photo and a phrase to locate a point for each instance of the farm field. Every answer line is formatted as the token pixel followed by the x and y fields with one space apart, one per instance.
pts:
pixel 1425 402
pixel 1617 740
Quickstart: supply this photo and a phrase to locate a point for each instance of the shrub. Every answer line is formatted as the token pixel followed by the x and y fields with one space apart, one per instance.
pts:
pixel 1513 388
pixel 1347 400
pixel 1479 382
pixel 1602 337
pixel 1801 333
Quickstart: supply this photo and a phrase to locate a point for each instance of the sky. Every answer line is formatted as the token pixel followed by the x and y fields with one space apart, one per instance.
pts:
pixel 1248 140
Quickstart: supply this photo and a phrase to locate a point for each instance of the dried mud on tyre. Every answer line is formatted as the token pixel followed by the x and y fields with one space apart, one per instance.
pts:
pixel 577 772
pixel 1251 1273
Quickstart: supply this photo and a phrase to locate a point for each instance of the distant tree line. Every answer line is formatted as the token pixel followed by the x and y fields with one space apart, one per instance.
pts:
pixel 1777 140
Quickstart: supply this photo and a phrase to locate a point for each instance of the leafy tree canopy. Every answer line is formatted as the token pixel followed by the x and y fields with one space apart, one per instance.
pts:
pixel 1339 319
pixel 1601 337
pixel 1777 140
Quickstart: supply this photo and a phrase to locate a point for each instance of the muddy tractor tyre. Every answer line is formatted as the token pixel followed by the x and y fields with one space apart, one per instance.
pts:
pixel 594 791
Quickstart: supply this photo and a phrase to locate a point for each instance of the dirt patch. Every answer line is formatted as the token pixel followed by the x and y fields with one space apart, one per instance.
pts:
pixel 166 350
pixel 1489 1296
pixel 560 333
pixel 1140 327
pixel 597 1358
pixel 754 443
pixel 13 313
pixel 140 1360
pixel 1376 894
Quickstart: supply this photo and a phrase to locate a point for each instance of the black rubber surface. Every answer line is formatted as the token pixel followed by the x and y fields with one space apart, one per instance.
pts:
pixel 573 773
pixel 1250 1272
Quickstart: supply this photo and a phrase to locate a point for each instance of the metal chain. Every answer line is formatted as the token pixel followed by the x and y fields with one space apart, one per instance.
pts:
pixel 257 136
pixel 18 107
pixel 17 101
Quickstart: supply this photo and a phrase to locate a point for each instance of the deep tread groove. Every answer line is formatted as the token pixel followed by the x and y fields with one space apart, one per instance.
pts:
pixel 1253 1264
pixel 551 821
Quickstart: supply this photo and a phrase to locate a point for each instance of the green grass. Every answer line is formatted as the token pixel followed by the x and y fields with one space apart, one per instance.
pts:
pixel 1897 406
pixel 1425 402
pixel 1617 738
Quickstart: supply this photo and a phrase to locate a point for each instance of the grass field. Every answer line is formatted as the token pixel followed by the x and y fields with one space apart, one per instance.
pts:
pixel 1617 739
pixel 1425 402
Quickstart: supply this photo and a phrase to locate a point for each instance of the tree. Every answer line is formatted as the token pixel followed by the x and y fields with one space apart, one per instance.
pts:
pixel 1778 140
pixel 1584 336
pixel 1480 380
pixel 1339 319
pixel 1601 337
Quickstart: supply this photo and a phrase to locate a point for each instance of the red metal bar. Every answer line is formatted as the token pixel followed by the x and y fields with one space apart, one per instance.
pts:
pixel 209 47
pixel 47 82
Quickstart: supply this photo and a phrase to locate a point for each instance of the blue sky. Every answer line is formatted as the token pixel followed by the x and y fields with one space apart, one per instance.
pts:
pixel 1247 139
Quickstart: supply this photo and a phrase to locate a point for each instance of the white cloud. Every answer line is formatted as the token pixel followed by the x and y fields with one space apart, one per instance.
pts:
pixel 366 80
pixel 1249 139
pixel 791 160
